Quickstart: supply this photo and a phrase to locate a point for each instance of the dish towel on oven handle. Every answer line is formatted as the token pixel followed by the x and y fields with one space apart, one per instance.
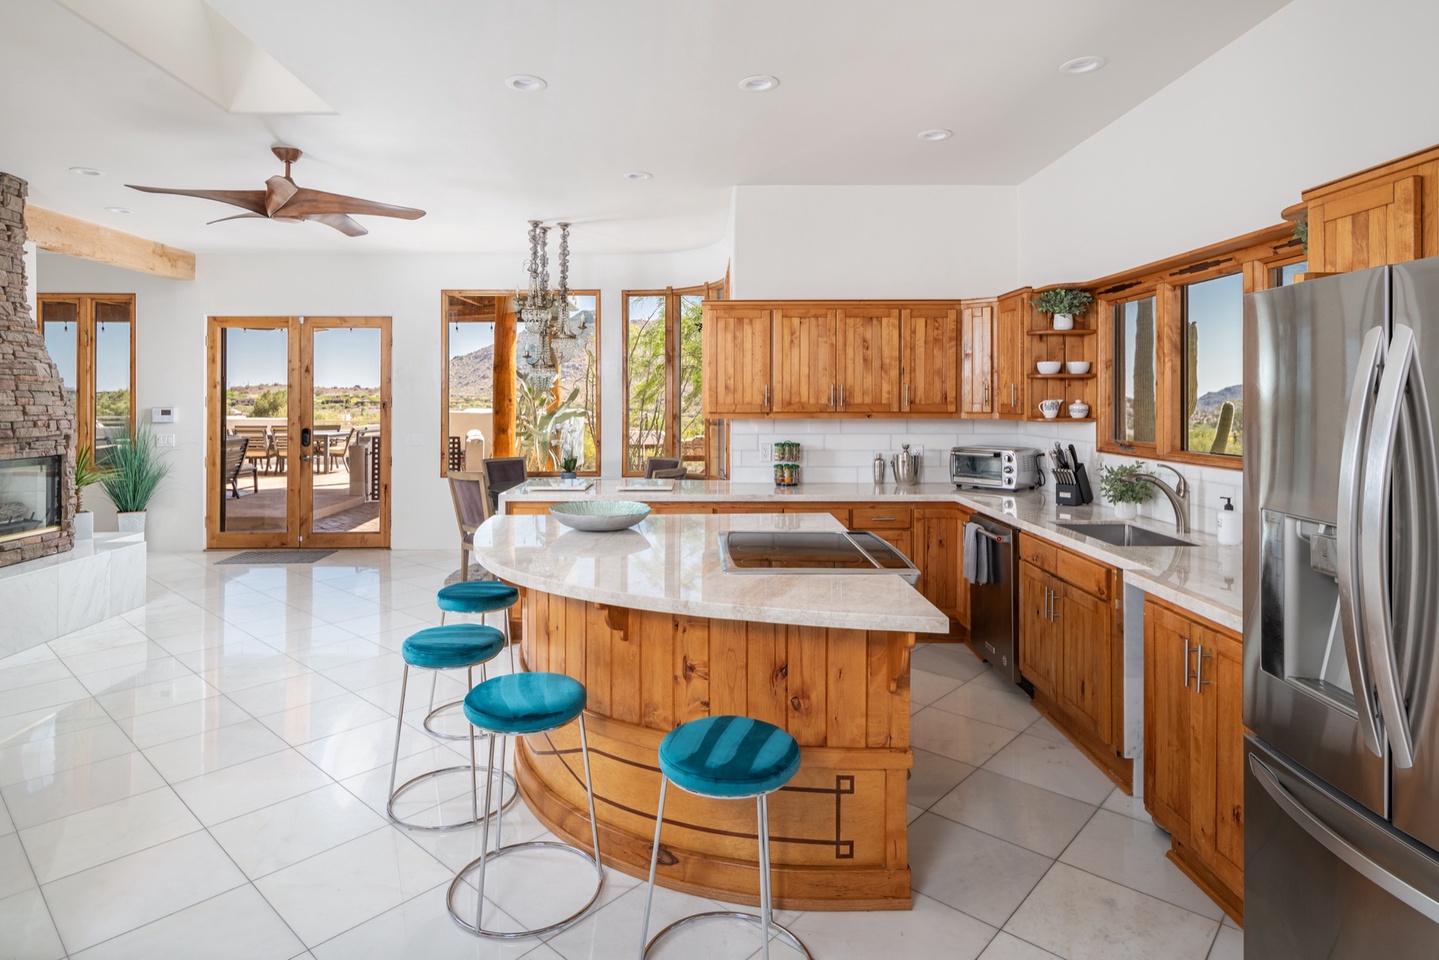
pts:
pixel 978 555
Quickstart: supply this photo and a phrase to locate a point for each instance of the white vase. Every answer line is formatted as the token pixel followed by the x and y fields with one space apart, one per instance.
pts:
pixel 1063 321
pixel 84 525
pixel 132 522
pixel 1126 511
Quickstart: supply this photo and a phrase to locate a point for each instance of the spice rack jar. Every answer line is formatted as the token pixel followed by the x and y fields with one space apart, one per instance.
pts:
pixel 786 463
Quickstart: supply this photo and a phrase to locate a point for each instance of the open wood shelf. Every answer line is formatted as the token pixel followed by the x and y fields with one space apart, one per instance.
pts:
pixel 1062 376
pixel 1064 419
pixel 1061 333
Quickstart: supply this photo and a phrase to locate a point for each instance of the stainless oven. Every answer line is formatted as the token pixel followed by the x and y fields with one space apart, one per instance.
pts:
pixel 996 468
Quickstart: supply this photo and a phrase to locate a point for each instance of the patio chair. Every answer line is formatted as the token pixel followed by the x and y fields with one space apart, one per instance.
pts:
pixel 502 473
pixel 472 508
pixel 236 467
pixel 339 447
pixel 659 463
pixel 280 448
pixel 258 450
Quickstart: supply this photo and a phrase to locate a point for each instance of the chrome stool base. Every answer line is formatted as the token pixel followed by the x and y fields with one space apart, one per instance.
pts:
pixel 523 934
pixel 505 802
pixel 782 933
pixel 436 711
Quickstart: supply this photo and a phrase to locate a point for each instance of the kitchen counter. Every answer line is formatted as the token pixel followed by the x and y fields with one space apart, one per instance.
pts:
pixel 1204 579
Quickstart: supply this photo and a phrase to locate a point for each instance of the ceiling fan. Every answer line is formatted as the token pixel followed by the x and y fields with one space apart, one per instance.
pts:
pixel 283 200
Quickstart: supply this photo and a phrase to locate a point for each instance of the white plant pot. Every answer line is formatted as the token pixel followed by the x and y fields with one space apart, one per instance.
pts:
pixel 1063 321
pixel 84 525
pixel 1126 511
pixel 132 522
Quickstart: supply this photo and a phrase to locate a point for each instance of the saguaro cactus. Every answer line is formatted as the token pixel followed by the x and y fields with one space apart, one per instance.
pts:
pixel 1221 432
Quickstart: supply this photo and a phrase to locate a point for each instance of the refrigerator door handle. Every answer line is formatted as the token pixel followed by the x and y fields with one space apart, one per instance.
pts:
pixel 1400 370
pixel 1341 848
pixel 1356 426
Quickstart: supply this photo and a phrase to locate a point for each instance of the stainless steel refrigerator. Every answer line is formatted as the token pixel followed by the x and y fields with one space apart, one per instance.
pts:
pixel 1341 617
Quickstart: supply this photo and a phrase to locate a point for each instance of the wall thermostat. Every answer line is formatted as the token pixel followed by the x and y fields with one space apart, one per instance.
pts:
pixel 162 414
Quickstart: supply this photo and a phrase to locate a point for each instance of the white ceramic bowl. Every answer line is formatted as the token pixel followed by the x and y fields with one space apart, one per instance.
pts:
pixel 1077 366
pixel 1079 410
pixel 598 516
pixel 1048 367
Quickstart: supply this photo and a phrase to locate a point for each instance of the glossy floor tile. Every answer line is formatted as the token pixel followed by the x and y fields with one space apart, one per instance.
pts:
pixel 207 777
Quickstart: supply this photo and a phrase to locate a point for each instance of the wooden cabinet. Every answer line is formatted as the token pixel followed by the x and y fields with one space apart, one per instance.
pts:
pixel 1011 315
pixel 1386 214
pixel 939 554
pixel 806 368
pixel 929 359
pixel 1071 649
pixel 869 360
pixel 1194 747
pixel 976 359
pixel 737 357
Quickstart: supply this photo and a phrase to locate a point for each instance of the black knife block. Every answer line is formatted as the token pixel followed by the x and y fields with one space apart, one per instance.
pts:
pixel 1075 494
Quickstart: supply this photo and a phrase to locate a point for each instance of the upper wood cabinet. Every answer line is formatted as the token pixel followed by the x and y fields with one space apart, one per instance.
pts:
pixel 1011 319
pixel 869 359
pixel 976 359
pixel 806 359
pixel 929 359
pixel 1386 214
pixel 737 352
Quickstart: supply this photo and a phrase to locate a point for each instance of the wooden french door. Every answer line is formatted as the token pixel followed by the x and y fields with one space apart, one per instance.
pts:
pixel 299 432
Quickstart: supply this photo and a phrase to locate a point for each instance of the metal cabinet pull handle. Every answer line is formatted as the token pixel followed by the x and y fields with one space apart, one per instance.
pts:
pixel 986 394
pixel 831 396
pixel 841 396
pixel 1014 394
pixel 1054 607
pixel 1186 663
pixel 906 396
pixel 1199 680
pixel 766 396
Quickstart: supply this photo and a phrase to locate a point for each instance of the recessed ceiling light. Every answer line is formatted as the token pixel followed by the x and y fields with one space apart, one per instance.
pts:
pixel 759 83
pixel 1082 65
pixel 639 175
pixel 118 209
pixel 936 134
pixel 525 83
pixel 86 171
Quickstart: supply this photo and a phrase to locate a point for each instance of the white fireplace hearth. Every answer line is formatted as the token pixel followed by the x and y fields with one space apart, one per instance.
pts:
pixel 49 597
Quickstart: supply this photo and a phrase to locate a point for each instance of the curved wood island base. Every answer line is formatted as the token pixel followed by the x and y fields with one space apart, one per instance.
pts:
pixel 838 831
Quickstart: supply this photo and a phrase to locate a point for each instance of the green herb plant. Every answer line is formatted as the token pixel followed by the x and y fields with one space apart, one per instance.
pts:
pixel 87 473
pixel 134 471
pixel 1121 484
pixel 1062 300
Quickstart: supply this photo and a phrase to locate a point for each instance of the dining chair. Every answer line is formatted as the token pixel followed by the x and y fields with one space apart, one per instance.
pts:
pixel 472 508
pixel 678 473
pixel 659 463
pixel 502 473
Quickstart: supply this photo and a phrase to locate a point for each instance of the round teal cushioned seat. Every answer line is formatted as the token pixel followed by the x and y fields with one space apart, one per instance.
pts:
pixel 477 596
pixel 729 757
pixel 455 645
pixel 525 702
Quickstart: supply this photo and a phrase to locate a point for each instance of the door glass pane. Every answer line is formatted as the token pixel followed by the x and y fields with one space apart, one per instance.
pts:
pixel 112 375
pixel 645 391
pixel 345 442
pixel 61 321
pixel 1214 366
pixel 692 421
pixel 470 436
pixel 1135 384
pixel 255 370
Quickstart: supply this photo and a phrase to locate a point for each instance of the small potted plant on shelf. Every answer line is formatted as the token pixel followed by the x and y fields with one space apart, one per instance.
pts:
pixel 135 469
pixel 1124 489
pixel 87 474
pixel 567 467
pixel 1062 304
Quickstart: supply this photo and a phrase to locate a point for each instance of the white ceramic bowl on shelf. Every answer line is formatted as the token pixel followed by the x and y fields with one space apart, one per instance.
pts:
pixel 1077 366
pixel 1048 367
pixel 599 516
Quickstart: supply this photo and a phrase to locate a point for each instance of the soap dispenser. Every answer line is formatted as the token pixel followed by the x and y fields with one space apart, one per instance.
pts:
pixel 1229 525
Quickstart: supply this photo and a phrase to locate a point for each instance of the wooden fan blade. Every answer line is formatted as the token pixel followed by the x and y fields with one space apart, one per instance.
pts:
pixel 252 200
pixel 307 201
pixel 278 191
pixel 340 222
pixel 239 216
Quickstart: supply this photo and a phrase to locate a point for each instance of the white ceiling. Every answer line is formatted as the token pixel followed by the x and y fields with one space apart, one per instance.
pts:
pixel 425 120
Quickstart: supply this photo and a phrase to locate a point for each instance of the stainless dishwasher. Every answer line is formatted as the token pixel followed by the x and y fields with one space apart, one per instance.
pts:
pixel 994 606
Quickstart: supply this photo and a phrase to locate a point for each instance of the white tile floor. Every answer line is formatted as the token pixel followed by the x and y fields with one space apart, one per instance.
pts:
pixel 206 776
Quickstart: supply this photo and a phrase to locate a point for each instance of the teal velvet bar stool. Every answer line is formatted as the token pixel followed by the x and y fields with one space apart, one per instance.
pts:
pixel 513 705
pixel 726 758
pixel 473 597
pixel 448 647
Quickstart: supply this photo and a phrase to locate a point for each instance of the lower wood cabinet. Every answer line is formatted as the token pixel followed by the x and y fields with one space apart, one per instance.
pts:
pixel 1194 747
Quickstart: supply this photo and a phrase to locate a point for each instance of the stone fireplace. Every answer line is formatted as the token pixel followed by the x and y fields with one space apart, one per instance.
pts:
pixel 37 461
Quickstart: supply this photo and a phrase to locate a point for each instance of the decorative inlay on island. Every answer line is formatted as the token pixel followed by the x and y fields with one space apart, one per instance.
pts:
pixel 660 635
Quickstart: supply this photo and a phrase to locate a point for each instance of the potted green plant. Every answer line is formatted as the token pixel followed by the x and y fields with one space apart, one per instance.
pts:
pixel 135 471
pixel 1124 489
pixel 1062 303
pixel 567 467
pixel 87 474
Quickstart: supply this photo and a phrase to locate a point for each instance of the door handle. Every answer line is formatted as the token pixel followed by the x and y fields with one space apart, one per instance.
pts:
pixel 1014 394
pixel 1347 539
pixel 1341 848
pixel 1046 603
pixel 1199 680
pixel 986 395
pixel 841 396
pixel 831 396
pixel 766 396
pixel 1054 606
pixel 906 396
pixel 1186 663
pixel 305 436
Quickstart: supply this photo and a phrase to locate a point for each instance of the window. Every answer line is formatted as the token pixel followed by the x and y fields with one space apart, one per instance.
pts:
pixel 1213 350
pixel 92 341
pixel 489 409
pixel 1284 276
pixel 663 377
pixel 1136 386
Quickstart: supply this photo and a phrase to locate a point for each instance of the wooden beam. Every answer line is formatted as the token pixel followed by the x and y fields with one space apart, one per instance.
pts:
pixel 89 241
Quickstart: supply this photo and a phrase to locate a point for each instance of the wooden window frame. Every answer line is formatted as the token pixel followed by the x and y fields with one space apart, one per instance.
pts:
pixel 85 343
pixel 506 333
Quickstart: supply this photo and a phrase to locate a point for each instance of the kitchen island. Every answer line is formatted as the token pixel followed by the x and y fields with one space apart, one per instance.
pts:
pixel 660 634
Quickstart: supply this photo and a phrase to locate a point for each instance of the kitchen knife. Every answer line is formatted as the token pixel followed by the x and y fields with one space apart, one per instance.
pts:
pixel 1073 458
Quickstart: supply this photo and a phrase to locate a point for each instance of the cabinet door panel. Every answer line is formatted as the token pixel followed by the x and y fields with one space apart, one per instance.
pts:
pixel 937 542
pixel 1009 372
pixel 806 376
pixel 1217 765
pixel 1087 642
pixel 1036 646
pixel 868 360
pixel 1168 702
pixel 976 361
pixel 737 357
pixel 929 372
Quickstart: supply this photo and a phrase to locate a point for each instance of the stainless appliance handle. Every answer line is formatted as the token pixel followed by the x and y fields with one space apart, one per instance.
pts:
pixel 1356 424
pixel 1341 848
pixel 1399 370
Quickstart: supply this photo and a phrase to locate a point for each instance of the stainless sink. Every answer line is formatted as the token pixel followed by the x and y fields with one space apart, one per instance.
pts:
pixel 1126 535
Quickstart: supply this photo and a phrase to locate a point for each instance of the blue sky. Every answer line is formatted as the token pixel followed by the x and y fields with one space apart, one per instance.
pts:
pixel 347 357
pixel 112 354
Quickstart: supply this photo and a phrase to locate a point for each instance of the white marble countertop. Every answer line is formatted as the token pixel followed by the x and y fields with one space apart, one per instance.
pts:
pixel 1204 579
pixel 671 564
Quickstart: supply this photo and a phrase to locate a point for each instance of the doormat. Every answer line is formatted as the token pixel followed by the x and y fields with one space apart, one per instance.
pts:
pixel 277 556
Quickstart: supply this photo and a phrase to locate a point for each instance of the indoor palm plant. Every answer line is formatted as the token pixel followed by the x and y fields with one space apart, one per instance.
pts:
pixel 135 469
pixel 87 473
pixel 1062 304
pixel 1125 489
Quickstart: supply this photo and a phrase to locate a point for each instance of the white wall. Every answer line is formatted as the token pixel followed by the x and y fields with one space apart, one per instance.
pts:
pixel 1319 90
pixel 170 357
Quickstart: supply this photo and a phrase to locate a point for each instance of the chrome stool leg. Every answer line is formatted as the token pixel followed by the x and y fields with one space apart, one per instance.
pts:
pixel 455 704
pixel 479 864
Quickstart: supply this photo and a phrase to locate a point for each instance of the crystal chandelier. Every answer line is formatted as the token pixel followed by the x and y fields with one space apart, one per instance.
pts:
pixel 545 312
